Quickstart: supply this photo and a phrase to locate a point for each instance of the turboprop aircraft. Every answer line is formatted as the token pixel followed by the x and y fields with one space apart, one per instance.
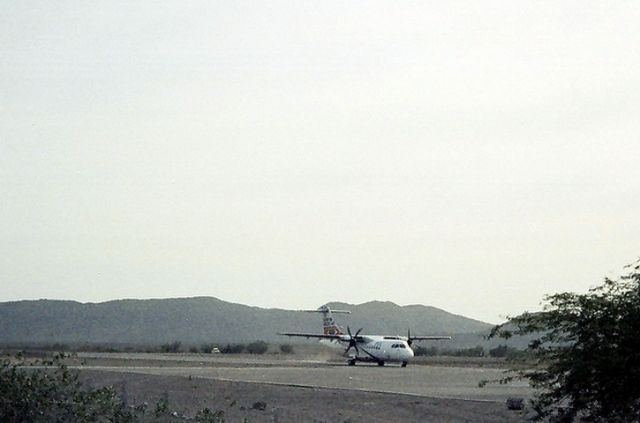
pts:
pixel 368 348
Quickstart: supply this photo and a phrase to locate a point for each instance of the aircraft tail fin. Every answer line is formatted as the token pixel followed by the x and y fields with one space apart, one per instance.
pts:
pixel 329 326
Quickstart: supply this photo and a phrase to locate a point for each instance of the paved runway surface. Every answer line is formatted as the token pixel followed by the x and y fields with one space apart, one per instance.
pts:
pixel 432 381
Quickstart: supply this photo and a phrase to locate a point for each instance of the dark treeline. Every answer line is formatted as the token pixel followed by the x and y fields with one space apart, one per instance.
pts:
pixel 500 351
pixel 256 347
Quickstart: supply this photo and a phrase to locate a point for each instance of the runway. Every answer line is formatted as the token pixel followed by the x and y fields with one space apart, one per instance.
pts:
pixel 419 380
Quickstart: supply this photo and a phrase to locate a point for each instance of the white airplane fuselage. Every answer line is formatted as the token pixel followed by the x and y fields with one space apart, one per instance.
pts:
pixel 372 348
pixel 381 349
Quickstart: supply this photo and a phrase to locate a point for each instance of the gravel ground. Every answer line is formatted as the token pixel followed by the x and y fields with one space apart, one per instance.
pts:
pixel 295 404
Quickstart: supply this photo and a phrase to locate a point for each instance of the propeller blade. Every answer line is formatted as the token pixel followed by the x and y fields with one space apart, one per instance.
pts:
pixel 372 356
pixel 352 341
pixel 409 340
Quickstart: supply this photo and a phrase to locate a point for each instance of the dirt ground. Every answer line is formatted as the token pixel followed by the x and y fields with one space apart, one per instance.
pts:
pixel 294 404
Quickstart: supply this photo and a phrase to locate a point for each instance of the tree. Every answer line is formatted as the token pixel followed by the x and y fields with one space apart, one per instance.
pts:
pixel 586 353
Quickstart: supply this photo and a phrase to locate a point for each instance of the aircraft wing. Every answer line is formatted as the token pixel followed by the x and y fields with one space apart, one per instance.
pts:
pixel 315 335
pixel 429 337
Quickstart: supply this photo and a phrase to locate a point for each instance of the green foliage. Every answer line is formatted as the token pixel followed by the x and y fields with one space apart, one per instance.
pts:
pixel 162 406
pixel 286 348
pixel 51 392
pixel 586 357
pixel 257 347
pixel 173 347
pixel 233 349
pixel 499 351
pixel 208 416
pixel 425 351
pixel 54 394
pixel 476 351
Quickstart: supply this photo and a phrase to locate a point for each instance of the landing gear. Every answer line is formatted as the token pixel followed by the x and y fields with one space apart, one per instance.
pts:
pixel 404 364
pixel 351 362
pixel 380 363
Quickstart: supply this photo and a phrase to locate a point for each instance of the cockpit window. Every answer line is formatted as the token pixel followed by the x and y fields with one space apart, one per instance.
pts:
pixel 397 346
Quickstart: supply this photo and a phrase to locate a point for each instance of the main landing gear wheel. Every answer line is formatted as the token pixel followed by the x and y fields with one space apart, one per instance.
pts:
pixel 380 363
pixel 351 362
pixel 404 364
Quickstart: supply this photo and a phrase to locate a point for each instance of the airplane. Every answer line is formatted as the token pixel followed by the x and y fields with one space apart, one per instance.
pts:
pixel 379 349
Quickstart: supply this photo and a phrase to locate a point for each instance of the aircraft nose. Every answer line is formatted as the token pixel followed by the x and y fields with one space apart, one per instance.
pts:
pixel 410 352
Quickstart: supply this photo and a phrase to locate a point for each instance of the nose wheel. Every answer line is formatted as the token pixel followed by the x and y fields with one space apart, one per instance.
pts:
pixel 404 364
pixel 351 362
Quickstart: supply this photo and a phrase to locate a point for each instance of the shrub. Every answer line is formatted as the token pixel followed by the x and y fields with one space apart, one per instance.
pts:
pixel 55 394
pixel 257 347
pixel 286 349
pixel 233 349
pixel 586 354
pixel 499 351
pixel 476 351
pixel 173 347
pixel 420 350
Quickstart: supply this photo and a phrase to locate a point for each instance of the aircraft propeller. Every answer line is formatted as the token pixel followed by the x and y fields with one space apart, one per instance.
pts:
pixel 353 341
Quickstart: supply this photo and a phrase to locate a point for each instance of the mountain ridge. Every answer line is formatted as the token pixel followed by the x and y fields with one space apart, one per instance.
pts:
pixel 205 319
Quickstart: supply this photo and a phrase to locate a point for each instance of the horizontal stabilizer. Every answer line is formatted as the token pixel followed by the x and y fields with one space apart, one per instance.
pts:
pixel 428 338
pixel 312 335
pixel 326 310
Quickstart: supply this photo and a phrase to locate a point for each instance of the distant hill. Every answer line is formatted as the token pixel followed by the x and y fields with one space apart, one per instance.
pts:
pixel 390 318
pixel 205 319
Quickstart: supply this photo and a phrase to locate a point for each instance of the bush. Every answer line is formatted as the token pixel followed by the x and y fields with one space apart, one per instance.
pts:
pixel 257 347
pixel 286 349
pixel 173 347
pixel 233 349
pixel 55 394
pixel 499 351
pixel 586 353
pixel 420 350
pixel 476 351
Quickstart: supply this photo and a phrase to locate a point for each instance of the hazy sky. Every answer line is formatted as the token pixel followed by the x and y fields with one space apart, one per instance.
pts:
pixel 470 155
